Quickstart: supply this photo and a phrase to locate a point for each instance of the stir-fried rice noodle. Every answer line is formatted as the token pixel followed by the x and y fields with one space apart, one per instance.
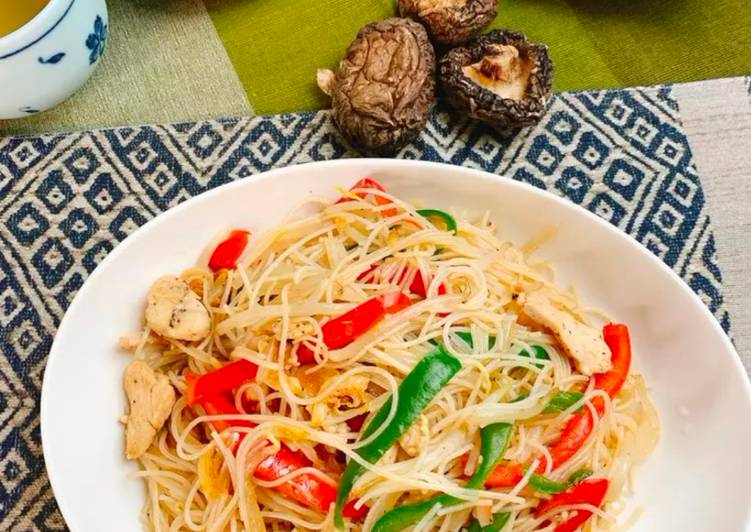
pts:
pixel 313 268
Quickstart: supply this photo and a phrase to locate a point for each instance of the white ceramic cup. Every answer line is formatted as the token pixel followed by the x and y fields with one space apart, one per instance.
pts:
pixel 50 57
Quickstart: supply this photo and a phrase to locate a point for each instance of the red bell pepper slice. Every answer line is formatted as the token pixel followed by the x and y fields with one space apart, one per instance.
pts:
pixel 356 514
pixel 574 435
pixel 579 426
pixel 367 272
pixel 345 329
pixel 307 489
pixel 369 182
pixel 505 475
pixel 220 404
pixel 417 286
pixel 394 302
pixel 224 379
pixel 212 391
pixel 591 491
pixel 356 423
pixel 229 250
pixel 617 337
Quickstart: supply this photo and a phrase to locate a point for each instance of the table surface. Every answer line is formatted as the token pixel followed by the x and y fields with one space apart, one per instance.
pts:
pixel 67 199
pixel 717 119
pixel 175 60
pixel 203 81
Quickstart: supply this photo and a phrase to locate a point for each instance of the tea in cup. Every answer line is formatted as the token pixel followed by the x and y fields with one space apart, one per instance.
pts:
pixel 48 49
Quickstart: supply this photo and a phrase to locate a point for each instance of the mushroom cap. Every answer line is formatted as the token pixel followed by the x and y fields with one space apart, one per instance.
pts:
pixel 451 21
pixel 469 97
pixel 384 87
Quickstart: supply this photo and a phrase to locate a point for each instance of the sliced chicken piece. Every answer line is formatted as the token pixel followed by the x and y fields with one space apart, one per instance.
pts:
pixel 581 342
pixel 173 310
pixel 150 399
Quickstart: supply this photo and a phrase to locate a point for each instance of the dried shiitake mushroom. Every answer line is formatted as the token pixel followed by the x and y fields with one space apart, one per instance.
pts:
pixel 451 21
pixel 383 89
pixel 500 78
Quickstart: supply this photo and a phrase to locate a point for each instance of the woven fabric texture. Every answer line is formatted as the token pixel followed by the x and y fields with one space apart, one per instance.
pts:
pixel 67 200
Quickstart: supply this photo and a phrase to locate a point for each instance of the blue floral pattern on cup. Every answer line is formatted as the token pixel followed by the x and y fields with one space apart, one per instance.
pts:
pixel 96 41
pixel 53 60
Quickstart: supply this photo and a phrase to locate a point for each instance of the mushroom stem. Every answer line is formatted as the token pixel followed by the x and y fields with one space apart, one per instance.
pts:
pixel 325 79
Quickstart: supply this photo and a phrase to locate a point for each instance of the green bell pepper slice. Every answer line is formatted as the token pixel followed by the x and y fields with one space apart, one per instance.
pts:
pixel 558 403
pixel 540 354
pixel 445 217
pixel 561 401
pixel 546 485
pixel 466 336
pixel 579 475
pixel 499 521
pixel 494 441
pixel 416 391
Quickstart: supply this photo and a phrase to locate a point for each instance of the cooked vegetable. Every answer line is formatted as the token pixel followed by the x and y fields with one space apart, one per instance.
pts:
pixel 350 511
pixel 417 286
pixel 539 354
pixel 590 491
pixel 384 425
pixel 451 21
pixel 577 476
pixel 561 401
pixel 370 183
pixel 443 216
pixel 511 473
pixel 210 390
pixel 345 329
pixel 539 351
pixel 499 521
pixel 466 337
pixel 383 89
pixel 213 475
pixel 220 405
pixel 224 379
pixel 416 391
pixel 306 488
pixel 546 485
pixel 229 250
pixel 500 78
pixel 579 426
pixel 494 440
pixel 574 435
pixel 505 475
pixel 617 337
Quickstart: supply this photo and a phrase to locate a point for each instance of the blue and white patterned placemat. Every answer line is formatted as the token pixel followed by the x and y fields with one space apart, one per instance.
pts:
pixel 67 200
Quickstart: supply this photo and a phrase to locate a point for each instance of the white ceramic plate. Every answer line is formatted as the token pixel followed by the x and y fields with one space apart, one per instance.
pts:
pixel 698 479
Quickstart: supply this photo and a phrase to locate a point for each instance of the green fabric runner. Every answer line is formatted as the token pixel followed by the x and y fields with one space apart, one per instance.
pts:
pixel 277 45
